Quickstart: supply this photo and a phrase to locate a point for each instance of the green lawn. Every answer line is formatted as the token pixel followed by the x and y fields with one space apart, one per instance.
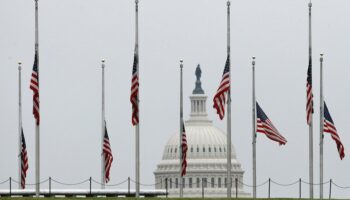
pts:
pixel 128 198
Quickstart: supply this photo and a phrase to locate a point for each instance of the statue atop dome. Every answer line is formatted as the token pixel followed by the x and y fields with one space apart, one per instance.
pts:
pixel 198 99
pixel 198 89
pixel 206 155
pixel 198 72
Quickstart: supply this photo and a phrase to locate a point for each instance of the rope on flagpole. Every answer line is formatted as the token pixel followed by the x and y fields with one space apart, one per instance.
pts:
pixel 264 183
pixel 5 181
pixel 284 184
pixel 29 184
pixel 341 187
pixel 314 183
pixel 110 185
pixel 146 184
pixel 78 183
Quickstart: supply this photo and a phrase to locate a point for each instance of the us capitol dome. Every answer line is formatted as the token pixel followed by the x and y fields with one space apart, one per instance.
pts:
pixel 206 156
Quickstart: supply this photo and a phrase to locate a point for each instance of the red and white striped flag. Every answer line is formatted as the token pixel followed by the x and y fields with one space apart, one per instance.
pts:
pixel 309 95
pixel 107 153
pixel 265 126
pixel 221 93
pixel 134 97
pixel 34 85
pixel 24 161
pixel 329 127
pixel 184 151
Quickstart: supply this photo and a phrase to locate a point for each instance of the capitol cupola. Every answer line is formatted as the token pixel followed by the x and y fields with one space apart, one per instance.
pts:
pixel 198 101
pixel 206 155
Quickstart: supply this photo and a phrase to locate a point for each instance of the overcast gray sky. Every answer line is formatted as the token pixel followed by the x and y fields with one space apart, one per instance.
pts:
pixel 76 35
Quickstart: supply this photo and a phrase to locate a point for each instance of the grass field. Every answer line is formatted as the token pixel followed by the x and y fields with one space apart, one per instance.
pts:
pixel 128 198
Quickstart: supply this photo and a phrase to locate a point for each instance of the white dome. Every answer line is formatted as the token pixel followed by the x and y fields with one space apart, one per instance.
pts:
pixel 204 141
pixel 206 155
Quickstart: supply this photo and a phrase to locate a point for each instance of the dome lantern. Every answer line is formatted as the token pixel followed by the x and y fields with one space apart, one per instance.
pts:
pixel 206 155
pixel 198 101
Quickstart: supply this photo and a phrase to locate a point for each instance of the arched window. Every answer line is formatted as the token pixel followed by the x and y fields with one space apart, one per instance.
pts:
pixel 219 182
pixel 191 149
pixel 209 149
pixel 197 149
pixel 203 149
pixel 212 182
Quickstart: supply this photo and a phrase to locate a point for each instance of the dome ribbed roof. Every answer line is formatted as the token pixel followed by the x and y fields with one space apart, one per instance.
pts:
pixel 203 141
pixel 206 154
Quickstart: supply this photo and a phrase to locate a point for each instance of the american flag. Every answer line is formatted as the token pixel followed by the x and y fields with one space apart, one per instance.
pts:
pixel 184 151
pixel 309 95
pixel 329 127
pixel 221 94
pixel 34 85
pixel 134 97
pixel 265 126
pixel 107 153
pixel 24 161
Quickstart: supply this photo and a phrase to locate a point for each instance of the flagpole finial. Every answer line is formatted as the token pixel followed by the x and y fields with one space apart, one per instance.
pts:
pixel 321 58
pixel 253 60
pixel 310 4
pixel 181 63
pixel 136 1
pixel 19 65
pixel 103 63
pixel 228 3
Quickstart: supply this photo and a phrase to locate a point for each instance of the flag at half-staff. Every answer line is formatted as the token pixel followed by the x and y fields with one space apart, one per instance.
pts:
pixel 329 127
pixel 134 99
pixel 24 161
pixel 220 97
pixel 184 149
pixel 34 85
pixel 309 95
pixel 107 154
pixel 265 126
pixel 135 90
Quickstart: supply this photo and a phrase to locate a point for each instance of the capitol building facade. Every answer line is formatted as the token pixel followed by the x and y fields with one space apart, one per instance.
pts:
pixel 206 156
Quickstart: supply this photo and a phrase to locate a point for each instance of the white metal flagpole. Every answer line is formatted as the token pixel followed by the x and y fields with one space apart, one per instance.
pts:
pixel 229 179
pixel 311 159
pixel 37 127
pixel 103 171
pixel 181 125
pixel 137 127
pixel 321 126
pixel 254 128
pixel 19 125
